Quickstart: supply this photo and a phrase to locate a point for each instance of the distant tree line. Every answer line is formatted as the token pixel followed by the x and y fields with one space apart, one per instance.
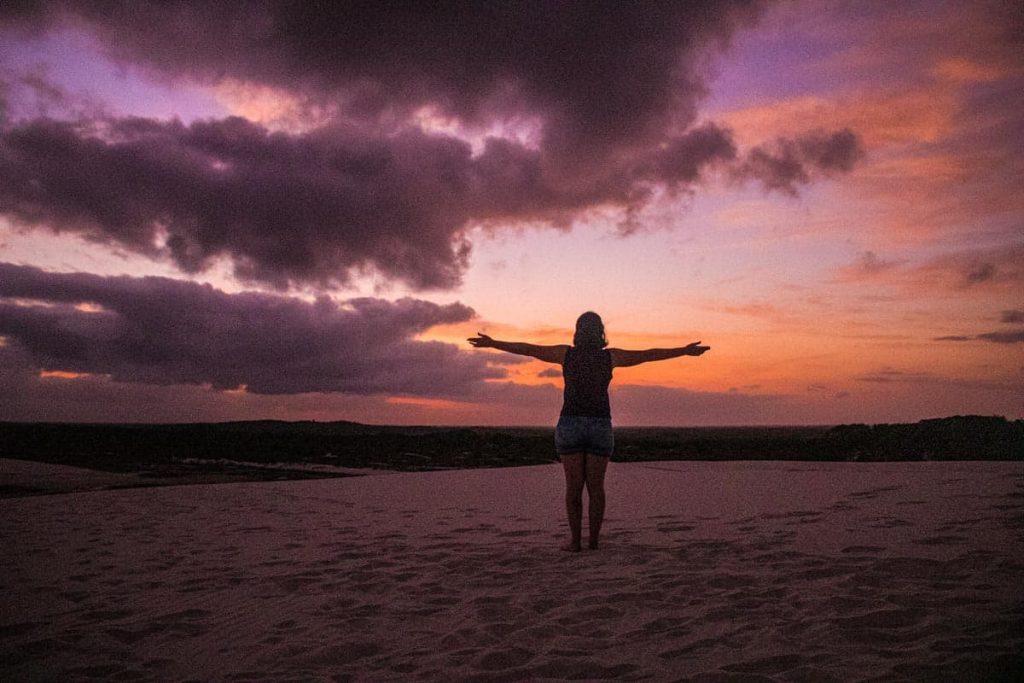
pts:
pixel 155 448
pixel 964 437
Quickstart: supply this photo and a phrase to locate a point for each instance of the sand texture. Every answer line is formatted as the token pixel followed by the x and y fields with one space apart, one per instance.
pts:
pixel 734 571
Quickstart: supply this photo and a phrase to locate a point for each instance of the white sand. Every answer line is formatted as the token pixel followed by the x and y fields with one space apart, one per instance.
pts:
pixel 710 571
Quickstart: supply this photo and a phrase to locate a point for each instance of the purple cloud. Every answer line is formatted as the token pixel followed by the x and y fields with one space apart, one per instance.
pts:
pixel 999 337
pixel 978 267
pixel 1012 316
pixel 160 331
pixel 790 162
pixel 1011 337
pixel 287 209
pixel 598 74
pixel 869 263
pixel 613 91
pixel 981 272
pixel 304 208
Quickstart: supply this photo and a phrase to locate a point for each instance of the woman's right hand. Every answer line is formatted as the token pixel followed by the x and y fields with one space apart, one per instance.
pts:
pixel 481 341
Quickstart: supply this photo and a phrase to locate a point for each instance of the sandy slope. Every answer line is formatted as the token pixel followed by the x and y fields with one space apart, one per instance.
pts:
pixel 711 571
pixel 19 477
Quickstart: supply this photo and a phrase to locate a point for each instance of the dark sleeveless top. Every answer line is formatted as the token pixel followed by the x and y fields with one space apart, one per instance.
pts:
pixel 587 372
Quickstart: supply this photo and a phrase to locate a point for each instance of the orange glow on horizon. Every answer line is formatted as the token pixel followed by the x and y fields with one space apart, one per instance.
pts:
pixel 875 281
pixel 431 403
pixel 62 374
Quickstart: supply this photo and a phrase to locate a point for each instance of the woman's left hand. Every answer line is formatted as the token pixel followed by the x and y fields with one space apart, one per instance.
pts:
pixel 695 349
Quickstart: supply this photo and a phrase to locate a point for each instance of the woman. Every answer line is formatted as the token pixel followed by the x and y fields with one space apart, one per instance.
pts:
pixel 583 437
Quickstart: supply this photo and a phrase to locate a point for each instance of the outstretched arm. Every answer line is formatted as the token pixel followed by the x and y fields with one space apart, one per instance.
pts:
pixel 621 358
pixel 548 354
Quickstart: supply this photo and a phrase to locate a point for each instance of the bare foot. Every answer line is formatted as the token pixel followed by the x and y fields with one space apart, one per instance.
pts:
pixel 573 547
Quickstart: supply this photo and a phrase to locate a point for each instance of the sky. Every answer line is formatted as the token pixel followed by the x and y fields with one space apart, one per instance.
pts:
pixel 279 210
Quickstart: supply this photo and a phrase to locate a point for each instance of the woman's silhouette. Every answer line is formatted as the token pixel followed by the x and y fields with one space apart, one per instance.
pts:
pixel 583 437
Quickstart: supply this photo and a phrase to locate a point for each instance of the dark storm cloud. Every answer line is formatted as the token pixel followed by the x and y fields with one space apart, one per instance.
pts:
pixel 161 331
pixel 304 208
pixel 598 73
pixel 285 208
pixel 681 159
pixel 612 90
pixel 789 162
pixel 27 15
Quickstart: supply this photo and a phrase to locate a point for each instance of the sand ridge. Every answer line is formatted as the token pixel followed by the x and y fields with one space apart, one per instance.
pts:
pixel 710 571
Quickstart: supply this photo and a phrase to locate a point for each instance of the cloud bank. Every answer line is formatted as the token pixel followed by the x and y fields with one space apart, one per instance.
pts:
pixel 601 101
pixel 160 331
pixel 599 74
pixel 303 208
pixel 84 347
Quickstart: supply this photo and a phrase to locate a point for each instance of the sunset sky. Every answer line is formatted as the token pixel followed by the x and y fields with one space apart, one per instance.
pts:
pixel 227 211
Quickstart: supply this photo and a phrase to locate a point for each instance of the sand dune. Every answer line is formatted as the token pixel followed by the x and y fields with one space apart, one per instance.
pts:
pixel 24 477
pixel 710 571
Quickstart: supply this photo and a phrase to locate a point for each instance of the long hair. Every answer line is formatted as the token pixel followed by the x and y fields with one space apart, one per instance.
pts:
pixel 590 331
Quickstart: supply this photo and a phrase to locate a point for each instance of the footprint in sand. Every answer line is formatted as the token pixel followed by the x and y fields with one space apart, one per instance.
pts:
pixel 873 493
pixel 767 665
pixel 505 659
pixel 941 540
pixel 889 523
pixel 863 549
pixel 521 533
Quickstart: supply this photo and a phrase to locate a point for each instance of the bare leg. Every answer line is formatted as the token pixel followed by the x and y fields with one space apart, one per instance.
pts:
pixel 595 469
pixel 575 474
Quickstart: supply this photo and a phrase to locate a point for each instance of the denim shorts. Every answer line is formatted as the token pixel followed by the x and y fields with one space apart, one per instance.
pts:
pixel 592 435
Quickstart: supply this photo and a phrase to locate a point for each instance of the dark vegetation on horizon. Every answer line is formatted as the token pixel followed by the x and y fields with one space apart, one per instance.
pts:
pixel 167 450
